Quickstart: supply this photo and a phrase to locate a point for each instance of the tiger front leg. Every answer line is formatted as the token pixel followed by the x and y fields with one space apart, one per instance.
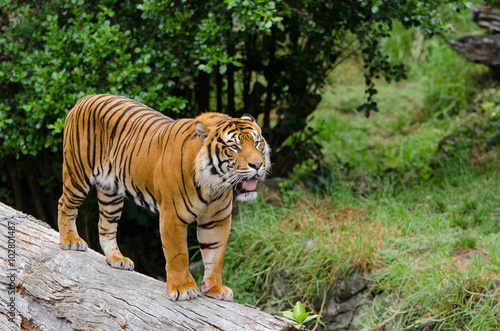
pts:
pixel 213 238
pixel 180 282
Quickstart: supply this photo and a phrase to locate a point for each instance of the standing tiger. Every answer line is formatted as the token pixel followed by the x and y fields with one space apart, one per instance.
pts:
pixel 186 170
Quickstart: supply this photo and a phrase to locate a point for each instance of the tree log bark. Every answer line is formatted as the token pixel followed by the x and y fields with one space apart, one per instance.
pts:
pixel 43 287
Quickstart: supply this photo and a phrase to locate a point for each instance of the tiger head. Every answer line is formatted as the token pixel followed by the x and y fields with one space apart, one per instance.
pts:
pixel 233 154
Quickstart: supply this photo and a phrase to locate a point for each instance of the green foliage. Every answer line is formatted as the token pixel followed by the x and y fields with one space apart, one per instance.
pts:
pixel 465 241
pixel 438 254
pixel 401 141
pixel 299 315
pixel 476 130
pixel 290 193
pixel 78 49
pixel 154 51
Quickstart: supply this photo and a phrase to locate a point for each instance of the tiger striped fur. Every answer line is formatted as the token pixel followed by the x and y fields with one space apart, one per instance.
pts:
pixel 186 170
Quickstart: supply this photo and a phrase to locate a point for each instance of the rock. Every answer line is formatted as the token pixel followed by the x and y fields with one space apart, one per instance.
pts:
pixel 346 288
pixel 489 296
pixel 487 17
pixel 281 288
pixel 345 301
pixel 484 49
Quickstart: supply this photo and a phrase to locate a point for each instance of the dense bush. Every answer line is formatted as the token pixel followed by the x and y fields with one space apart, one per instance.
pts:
pixel 475 131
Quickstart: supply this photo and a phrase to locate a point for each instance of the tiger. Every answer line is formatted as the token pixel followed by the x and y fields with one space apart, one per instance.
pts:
pixel 187 170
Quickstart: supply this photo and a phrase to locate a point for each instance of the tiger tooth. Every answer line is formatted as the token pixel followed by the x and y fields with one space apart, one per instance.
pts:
pixel 243 185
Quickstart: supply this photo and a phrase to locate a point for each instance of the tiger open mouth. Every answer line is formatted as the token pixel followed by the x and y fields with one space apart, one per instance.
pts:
pixel 246 186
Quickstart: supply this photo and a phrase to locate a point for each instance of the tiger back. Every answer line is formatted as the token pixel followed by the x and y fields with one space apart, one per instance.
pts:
pixel 186 170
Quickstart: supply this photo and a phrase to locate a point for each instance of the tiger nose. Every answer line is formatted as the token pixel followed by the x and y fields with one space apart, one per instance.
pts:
pixel 256 165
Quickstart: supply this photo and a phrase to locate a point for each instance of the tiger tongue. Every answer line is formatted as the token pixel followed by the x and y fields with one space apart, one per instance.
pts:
pixel 250 185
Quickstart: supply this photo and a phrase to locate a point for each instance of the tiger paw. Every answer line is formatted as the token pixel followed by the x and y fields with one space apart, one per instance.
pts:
pixel 185 291
pixel 120 262
pixel 220 292
pixel 74 243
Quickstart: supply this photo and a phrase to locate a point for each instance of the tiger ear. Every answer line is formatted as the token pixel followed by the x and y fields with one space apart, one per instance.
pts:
pixel 201 129
pixel 248 117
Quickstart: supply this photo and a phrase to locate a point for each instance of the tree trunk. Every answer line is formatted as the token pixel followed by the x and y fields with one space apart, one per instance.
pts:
pixel 203 92
pixel 247 74
pixel 46 288
pixel 270 79
pixel 231 106
pixel 218 86
pixel 37 198
pixel 17 188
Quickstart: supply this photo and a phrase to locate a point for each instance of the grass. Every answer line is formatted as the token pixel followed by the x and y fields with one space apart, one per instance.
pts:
pixel 432 249
pixel 429 237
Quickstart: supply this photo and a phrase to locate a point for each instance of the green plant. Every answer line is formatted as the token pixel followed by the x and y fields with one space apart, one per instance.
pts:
pixel 475 132
pixel 299 315
pixel 465 241
pixel 291 193
pixel 460 220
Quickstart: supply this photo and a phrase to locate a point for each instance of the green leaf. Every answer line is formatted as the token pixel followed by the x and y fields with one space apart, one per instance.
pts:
pixel 222 69
pixel 289 315
pixel 298 309
pixel 302 317
pixel 311 317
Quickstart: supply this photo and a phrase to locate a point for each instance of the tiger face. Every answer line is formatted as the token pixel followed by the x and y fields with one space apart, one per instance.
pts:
pixel 234 155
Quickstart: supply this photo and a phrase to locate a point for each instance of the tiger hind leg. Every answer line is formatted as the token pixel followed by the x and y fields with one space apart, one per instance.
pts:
pixel 70 201
pixel 110 210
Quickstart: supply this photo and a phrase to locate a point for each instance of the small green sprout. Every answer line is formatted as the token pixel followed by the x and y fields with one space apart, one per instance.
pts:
pixel 299 315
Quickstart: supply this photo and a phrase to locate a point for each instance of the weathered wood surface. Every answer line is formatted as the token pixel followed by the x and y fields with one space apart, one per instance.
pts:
pixel 67 290
pixel 487 17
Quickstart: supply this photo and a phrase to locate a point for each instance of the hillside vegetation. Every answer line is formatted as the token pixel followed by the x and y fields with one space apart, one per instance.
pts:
pixel 410 194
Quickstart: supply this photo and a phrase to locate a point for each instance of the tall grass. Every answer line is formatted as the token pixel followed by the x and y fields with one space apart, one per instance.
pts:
pixel 428 236
pixel 308 245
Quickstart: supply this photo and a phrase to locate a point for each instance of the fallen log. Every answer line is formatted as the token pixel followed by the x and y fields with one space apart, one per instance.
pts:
pixel 43 287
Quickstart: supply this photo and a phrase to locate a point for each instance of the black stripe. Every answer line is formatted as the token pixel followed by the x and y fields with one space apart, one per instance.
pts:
pixel 183 124
pixel 209 245
pixel 185 204
pixel 111 213
pixel 212 224
pixel 176 213
pixel 113 220
pixel 198 191
pixel 116 201
pixel 220 211
pixel 182 175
